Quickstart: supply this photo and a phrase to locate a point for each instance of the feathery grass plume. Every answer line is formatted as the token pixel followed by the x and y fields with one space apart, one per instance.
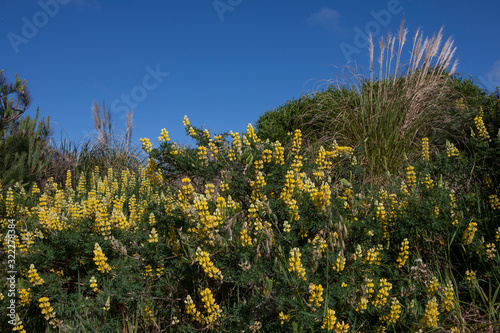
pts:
pixel 108 149
pixel 387 113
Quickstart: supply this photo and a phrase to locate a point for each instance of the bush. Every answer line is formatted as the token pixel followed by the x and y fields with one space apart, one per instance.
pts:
pixel 256 237
pixel 24 147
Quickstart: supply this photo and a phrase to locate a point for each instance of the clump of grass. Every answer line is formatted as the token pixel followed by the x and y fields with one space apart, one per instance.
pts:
pixel 391 110
pixel 104 149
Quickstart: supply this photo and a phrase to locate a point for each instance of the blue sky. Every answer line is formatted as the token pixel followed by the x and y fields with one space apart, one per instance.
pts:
pixel 223 63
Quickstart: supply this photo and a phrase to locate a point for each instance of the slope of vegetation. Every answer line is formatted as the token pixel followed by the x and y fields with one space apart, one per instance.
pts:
pixel 375 210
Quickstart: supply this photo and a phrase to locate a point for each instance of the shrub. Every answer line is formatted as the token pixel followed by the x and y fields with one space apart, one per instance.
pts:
pixel 269 241
pixel 24 149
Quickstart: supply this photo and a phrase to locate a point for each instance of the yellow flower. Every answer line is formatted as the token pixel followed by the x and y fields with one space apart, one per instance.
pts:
pixel 100 259
pixel 451 150
pixel 383 293
pixel 362 305
pixel 341 327
pixel 403 253
pixel 297 142
pixel 146 145
pixel 433 286
pixel 93 283
pixel 430 318
pixel 278 153
pixel 469 233
pixel 411 176
pixel 212 308
pixel 286 227
pixel 163 136
pixel 494 202
pixel 339 264
pixel 491 251
pixel 47 310
pixel 295 265
pixel 153 236
pixel 470 276
pixel 24 296
pixel 329 320
pixel 449 296
pixel 425 149
pixel 482 132
pixel 284 317
pixel 208 266
pixel 33 276
pixel 18 325
pixel 316 295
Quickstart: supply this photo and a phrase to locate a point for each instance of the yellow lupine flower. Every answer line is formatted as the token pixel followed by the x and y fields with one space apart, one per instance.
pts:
pixel 146 145
pixel 341 327
pixel 268 154
pixel 430 318
pixel 153 236
pixel 411 176
pixel 449 296
pixel 451 150
pixel 278 153
pixel 163 136
pixel 203 155
pixel 67 183
pixel 208 266
pixel 251 134
pixel 494 202
pixel 100 259
pixel 93 283
pixel 33 276
pixel 284 317
pixel 245 238
pixel 383 293
pixel 491 251
pixel 295 265
pixel 47 310
pixel 339 264
pixel 329 320
pixel 469 233
pixel 362 305
pixel 286 227
pixel 24 296
pixel 212 308
pixel 482 132
pixel 433 286
pixel 316 295
pixel 297 141
pixel 403 253
pixel 425 149
pixel 19 327
pixel 470 276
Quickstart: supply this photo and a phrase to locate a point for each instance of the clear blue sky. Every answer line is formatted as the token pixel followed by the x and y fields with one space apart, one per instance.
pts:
pixel 227 61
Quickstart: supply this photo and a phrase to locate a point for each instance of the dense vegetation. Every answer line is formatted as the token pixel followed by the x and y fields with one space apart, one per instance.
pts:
pixel 365 208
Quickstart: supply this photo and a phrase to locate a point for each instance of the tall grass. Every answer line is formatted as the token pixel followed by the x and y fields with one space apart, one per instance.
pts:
pixel 397 105
pixel 104 149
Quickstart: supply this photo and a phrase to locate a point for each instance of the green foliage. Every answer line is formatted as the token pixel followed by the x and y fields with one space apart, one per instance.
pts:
pixel 24 150
pixel 261 209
